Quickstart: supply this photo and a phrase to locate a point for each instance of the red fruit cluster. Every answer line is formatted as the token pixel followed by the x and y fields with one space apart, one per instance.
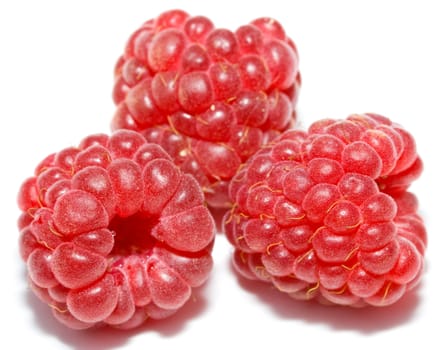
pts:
pixel 112 232
pixel 326 214
pixel 116 230
pixel 211 97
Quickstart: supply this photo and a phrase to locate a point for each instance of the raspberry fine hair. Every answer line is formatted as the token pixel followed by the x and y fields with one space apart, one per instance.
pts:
pixel 211 97
pixel 113 232
pixel 327 215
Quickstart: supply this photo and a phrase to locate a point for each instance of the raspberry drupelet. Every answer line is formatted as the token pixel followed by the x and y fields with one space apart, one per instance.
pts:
pixel 113 232
pixel 211 97
pixel 326 214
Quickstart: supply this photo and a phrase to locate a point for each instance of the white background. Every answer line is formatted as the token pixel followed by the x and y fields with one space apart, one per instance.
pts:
pixel 56 76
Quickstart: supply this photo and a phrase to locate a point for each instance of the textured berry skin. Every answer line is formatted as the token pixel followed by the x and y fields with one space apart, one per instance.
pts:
pixel 326 214
pixel 113 233
pixel 209 96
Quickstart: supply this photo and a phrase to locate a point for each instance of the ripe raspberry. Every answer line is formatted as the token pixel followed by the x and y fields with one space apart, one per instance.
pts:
pixel 112 232
pixel 210 97
pixel 326 214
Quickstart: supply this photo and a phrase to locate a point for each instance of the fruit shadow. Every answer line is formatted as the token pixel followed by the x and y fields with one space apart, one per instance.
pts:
pixel 365 320
pixel 103 338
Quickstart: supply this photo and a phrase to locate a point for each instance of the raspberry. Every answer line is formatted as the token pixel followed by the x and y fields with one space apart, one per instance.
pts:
pixel 112 232
pixel 211 97
pixel 326 214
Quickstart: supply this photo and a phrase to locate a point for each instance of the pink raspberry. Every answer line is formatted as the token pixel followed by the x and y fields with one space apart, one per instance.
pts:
pixel 210 97
pixel 326 214
pixel 112 232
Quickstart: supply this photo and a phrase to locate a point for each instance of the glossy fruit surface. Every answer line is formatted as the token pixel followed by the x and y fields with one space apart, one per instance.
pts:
pixel 326 214
pixel 113 232
pixel 211 97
